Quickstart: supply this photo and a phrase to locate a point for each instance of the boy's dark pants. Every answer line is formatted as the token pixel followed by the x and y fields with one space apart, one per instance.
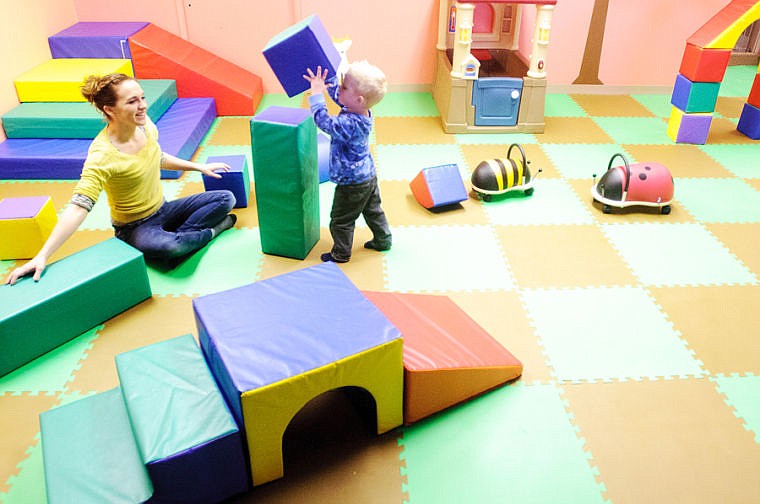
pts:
pixel 349 202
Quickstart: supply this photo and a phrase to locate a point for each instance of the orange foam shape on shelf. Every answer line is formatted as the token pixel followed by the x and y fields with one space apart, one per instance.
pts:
pixel 448 357
pixel 159 54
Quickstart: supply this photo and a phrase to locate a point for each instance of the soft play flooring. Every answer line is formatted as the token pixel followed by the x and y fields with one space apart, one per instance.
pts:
pixel 639 332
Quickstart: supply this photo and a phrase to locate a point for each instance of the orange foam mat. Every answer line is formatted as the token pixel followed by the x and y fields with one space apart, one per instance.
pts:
pixel 159 54
pixel 448 357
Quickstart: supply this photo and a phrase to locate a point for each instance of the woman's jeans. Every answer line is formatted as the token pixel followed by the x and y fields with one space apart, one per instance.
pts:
pixel 349 202
pixel 179 227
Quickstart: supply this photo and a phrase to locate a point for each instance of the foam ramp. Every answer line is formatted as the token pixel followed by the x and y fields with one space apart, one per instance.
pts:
pixel 90 455
pixel 159 54
pixel 182 128
pixel 78 119
pixel 94 40
pixel 448 357
pixel 188 440
pixel 36 317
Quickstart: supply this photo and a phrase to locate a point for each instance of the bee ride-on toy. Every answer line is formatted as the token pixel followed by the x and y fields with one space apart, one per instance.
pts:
pixel 639 184
pixel 502 175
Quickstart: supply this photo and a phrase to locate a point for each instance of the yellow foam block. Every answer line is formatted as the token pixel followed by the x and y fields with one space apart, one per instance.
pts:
pixel 674 123
pixel 60 79
pixel 268 410
pixel 730 35
pixel 22 236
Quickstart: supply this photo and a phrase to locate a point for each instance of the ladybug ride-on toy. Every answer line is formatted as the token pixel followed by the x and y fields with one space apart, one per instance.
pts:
pixel 639 184
pixel 499 176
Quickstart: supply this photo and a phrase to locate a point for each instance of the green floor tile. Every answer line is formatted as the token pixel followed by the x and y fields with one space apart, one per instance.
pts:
pixel 432 259
pixel 717 199
pixel 404 162
pixel 231 260
pixel 582 161
pixel 635 130
pixel 505 139
pixel 28 486
pixel 561 105
pixel 514 444
pixel 658 104
pixel 676 254
pixel 737 81
pixel 406 105
pixel 600 334
pixel 740 159
pixel 279 100
pixel 553 202
pixel 742 394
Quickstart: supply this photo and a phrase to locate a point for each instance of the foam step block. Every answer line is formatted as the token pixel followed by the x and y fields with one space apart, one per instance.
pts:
pixel 688 128
pixel 448 357
pixel 25 224
pixel 180 131
pixel 187 438
pixel 74 295
pixel 94 40
pixel 78 119
pixel 704 65
pixel 276 344
pixel 237 180
pixel 438 186
pixel 90 455
pixel 182 128
pixel 303 45
pixel 42 158
pixel 749 121
pixel 694 96
pixel 723 29
pixel 284 148
pixel 60 80
pixel 159 54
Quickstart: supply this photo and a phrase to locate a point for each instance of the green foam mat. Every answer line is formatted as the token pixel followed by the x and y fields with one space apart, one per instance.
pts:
pixel 739 159
pixel 582 161
pixel 553 202
pixel 561 105
pixel 635 130
pixel 686 254
pixel 90 454
pixel 587 336
pixel 404 162
pixel 742 392
pixel 406 105
pixel 658 104
pixel 514 444
pixel 700 196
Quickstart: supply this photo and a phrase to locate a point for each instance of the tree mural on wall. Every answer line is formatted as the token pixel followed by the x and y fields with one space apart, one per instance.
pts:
pixel 592 54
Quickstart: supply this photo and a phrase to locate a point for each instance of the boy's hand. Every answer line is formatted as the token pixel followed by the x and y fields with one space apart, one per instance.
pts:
pixel 317 80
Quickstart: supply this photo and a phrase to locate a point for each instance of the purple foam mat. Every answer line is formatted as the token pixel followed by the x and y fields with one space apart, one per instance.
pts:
pixel 94 40
pixel 21 208
pixel 180 130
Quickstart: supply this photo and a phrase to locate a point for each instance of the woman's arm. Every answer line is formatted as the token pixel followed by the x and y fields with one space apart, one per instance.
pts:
pixel 70 220
pixel 169 162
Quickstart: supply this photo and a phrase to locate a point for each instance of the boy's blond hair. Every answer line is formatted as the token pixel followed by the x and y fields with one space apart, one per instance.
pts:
pixel 369 80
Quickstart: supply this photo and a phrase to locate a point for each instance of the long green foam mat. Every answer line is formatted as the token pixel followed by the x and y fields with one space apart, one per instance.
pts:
pixel 75 294
pixel 79 119
pixel 90 454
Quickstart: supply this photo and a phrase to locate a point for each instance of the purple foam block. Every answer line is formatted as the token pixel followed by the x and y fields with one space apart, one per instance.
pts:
pixel 21 208
pixel 94 40
pixel 182 128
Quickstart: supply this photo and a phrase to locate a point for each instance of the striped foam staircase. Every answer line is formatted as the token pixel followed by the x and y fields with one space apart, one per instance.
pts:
pixel 49 133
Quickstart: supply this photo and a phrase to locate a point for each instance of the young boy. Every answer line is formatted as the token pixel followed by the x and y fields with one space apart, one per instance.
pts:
pixel 351 164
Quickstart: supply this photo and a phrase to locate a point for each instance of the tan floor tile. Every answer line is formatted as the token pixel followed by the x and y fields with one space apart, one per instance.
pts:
pixel 611 105
pixel 681 159
pixel 231 131
pixel 741 239
pixel 723 131
pixel 666 441
pixel 411 130
pixel 573 130
pixel 730 106
pixel 59 191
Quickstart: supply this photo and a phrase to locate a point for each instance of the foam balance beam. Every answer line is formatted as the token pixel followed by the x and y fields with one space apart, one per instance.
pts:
pixel 78 119
pixel 90 455
pixel 74 295
pixel 276 344
pixel 94 40
pixel 159 54
pixel 188 440
pixel 182 128
pixel 25 224
pixel 60 80
pixel 284 150
pixel 448 357
pixel 180 131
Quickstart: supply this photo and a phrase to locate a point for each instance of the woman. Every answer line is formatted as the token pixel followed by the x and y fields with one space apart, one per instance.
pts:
pixel 125 160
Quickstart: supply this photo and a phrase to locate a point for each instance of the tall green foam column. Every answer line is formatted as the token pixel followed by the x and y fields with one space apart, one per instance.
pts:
pixel 284 145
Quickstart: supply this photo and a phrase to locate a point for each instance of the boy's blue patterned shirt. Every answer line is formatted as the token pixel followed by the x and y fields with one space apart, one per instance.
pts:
pixel 350 158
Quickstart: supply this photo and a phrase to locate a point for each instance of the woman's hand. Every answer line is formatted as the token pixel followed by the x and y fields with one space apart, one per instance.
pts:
pixel 211 169
pixel 35 265
pixel 317 80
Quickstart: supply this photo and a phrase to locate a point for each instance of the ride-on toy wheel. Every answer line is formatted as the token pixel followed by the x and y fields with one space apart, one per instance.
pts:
pixel 665 210
pixel 528 192
pixel 606 209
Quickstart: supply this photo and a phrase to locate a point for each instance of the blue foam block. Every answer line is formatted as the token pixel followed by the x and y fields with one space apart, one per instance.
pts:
pixel 301 46
pixel 323 156
pixel 445 184
pixel 94 40
pixel 749 121
pixel 236 180
pixel 187 437
pixel 323 314
pixel 182 128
